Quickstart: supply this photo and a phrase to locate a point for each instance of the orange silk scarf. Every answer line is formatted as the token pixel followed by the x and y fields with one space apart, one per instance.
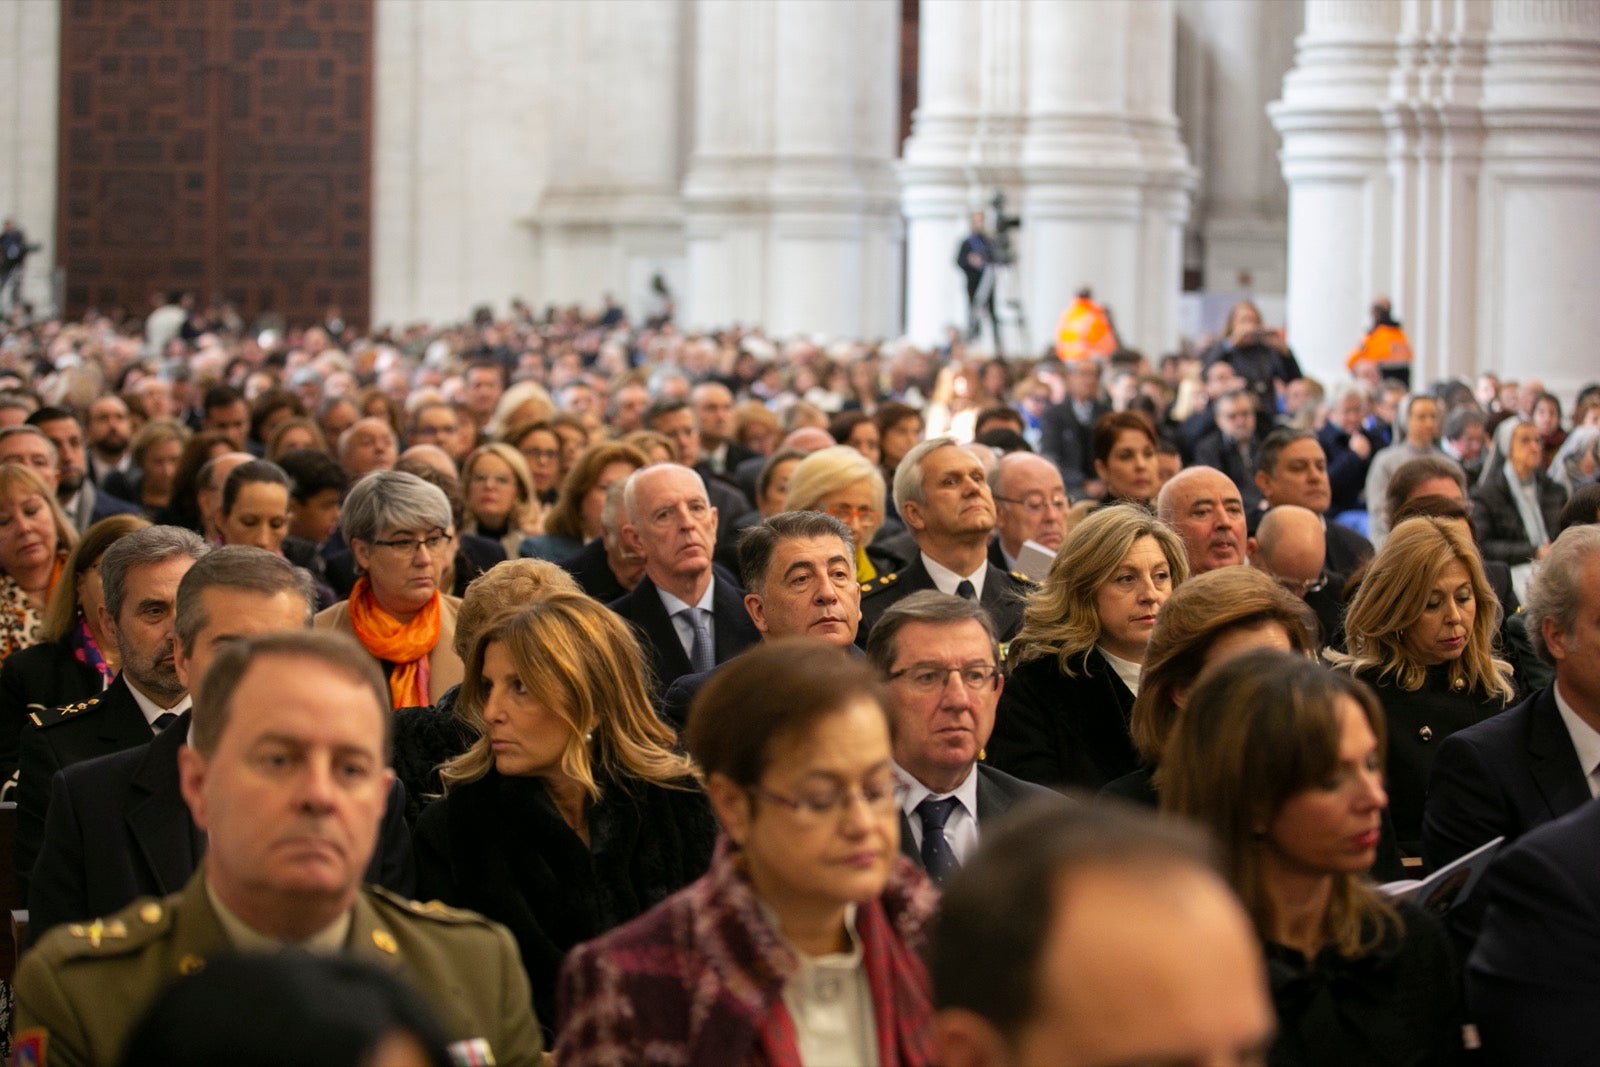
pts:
pixel 406 645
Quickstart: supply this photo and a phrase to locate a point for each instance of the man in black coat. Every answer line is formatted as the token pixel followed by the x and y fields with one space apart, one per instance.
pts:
pixel 1540 759
pixel 117 826
pixel 941 661
pixel 84 503
pixel 1534 977
pixel 1292 468
pixel 140 575
pixel 689 613
pixel 1065 429
pixel 942 492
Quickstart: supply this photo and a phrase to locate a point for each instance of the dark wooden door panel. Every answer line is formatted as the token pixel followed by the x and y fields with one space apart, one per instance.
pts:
pixel 222 146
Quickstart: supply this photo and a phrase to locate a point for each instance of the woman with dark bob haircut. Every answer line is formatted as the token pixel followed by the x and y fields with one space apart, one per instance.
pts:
pixel 808 890
pixel 1282 760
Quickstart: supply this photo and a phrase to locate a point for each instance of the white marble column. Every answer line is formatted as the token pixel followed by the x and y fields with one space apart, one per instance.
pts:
pixel 790 207
pixel 1434 149
pixel 1540 197
pixel 1069 108
pixel 30 66
pixel 611 216
pixel 1334 160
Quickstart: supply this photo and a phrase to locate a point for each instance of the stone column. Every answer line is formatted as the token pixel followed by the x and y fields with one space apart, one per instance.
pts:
pixel 1434 150
pixel 1539 213
pixel 1330 118
pixel 611 217
pixel 30 74
pixel 1068 107
pixel 791 214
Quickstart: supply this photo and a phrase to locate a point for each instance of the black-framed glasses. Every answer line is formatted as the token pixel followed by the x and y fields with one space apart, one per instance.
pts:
pixel 408 545
pixel 821 802
pixel 932 677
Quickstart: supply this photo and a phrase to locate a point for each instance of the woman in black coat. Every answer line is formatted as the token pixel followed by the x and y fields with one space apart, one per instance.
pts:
pixel 1420 631
pixel 1063 715
pixel 573 812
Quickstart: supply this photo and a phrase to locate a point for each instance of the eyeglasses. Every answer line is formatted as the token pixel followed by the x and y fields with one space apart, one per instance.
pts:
pixel 409 545
pixel 932 677
pixel 1302 586
pixel 822 801
pixel 1037 503
pixel 846 512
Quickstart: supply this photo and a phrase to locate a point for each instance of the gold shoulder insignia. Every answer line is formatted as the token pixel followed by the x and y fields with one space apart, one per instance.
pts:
pixel 429 909
pixel 880 583
pixel 1022 579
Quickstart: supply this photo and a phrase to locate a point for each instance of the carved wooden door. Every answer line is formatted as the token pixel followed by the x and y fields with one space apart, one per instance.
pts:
pixel 218 146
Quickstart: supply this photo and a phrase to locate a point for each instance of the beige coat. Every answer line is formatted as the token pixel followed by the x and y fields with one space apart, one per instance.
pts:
pixel 445 669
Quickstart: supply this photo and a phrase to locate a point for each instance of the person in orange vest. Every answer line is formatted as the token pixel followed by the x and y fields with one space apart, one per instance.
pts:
pixel 1385 345
pixel 1085 331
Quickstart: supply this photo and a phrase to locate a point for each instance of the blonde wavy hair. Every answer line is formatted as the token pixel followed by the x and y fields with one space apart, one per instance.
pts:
pixel 1393 596
pixel 1061 618
pixel 582 662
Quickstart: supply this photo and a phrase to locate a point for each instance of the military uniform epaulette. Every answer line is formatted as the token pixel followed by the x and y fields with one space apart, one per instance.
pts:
pixel 124 933
pixel 44 719
pixel 425 909
pixel 880 583
pixel 1022 579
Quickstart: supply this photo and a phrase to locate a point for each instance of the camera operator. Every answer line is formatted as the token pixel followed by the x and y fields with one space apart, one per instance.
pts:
pixel 1258 355
pixel 976 258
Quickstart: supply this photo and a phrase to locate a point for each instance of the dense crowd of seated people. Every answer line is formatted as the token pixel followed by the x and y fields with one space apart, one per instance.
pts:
pixel 643 697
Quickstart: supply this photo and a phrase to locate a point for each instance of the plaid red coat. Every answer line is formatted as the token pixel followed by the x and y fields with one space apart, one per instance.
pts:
pixel 698 980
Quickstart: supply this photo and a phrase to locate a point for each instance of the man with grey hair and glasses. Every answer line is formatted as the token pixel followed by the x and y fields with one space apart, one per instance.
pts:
pixel 941 662
pixel 140 575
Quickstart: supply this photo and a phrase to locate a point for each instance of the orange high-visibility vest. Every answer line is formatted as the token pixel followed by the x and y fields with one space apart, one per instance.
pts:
pixel 1084 332
pixel 1384 345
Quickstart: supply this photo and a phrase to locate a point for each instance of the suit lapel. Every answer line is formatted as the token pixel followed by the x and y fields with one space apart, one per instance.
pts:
pixel 908 844
pixel 1554 762
pixel 657 625
pixel 157 818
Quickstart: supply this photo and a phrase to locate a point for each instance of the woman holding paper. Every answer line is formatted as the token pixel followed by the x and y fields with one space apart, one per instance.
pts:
pixel 1283 761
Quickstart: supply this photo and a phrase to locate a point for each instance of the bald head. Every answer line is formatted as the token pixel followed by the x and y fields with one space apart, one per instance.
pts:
pixel 1290 545
pixel 808 439
pixel 1206 509
pixel 1030 502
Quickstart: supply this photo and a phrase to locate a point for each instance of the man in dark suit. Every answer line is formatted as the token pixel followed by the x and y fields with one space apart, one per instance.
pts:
pixel 688 612
pixel 713 414
pixel 940 658
pixel 942 492
pixel 1534 977
pixel 140 575
pixel 1030 505
pixel 117 827
pixel 84 502
pixel 1232 447
pixel 675 419
pixel 1064 429
pixel 1292 468
pixel 1540 759
pixel 799 570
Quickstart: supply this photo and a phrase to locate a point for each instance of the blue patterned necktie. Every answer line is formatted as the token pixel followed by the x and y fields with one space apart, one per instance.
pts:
pixel 702 653
pixel 938 858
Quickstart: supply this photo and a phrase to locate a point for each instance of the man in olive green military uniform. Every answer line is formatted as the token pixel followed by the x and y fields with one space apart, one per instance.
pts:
pixel 287 774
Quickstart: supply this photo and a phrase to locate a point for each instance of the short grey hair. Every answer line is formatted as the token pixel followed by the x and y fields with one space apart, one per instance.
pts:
pixel 30 430
pixel 908 477
pixel 392 500
pixel 928 606
pixel 144 548
pixel 1556 592
pixel 242 567
pixel 1360 389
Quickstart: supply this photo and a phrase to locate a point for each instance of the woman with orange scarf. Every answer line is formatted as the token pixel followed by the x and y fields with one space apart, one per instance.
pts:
pixel 35 537
pixel 399 530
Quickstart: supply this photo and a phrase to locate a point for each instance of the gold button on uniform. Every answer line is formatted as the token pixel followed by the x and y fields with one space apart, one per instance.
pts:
pixel 191 964
pixel 150 913
pixel 385 942
pixel 1425 734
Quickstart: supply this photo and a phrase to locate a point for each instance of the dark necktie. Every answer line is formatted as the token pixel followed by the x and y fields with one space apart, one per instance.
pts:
pixel 164 720
pixel 965 591
pixel 937 857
